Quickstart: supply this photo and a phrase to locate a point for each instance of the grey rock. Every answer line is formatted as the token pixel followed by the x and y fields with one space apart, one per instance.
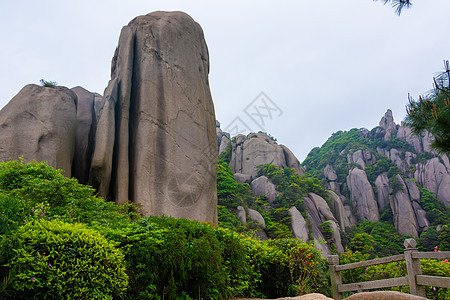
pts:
pixel 421 216
pixel 263 186
pixel 256 149
pixel 357 158
pixel 84 137
pixel 362 196
pixel 292 161
pixel 387 123
pixel 156 142
pixel 382 185
pixel 413 190
pixel 351 217
pixel 329 173
pixel 404 217
pixel 299 227
pixel 435 177
pixel 256 216
pixel 243 178
pixel 323 209
pixel 241 215
pixel 40 123
pixel 338 210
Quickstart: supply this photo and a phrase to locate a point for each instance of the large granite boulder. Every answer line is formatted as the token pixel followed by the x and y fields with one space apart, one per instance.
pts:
pixel 263 186
pixel 362 196
pixel 387 123
pixel 299 226
pixel 338 210
pixel 256 149
pixel 435 177
pixel 84 137
pixel 39 123
pixel 382 185
pixel 404 217
pixel 156 142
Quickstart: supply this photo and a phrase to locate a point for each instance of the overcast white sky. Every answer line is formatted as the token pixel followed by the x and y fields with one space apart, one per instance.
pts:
pixel 327 65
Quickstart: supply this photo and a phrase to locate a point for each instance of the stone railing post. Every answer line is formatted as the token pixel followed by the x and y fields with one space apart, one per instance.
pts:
pixel 413 268
pixel 336 279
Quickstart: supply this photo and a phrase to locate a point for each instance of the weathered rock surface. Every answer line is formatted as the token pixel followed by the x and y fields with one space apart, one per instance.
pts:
pixel 156 142
pixel 256 216
pixel 387 123
pixel 329 173
pixel 320 212
pixel 241 214
pixel 382 185
pixel 263 186
pixel 256 149
pixel 404 217
pixel 39 123
pixel 338 210
pixel 357 158
pixel 299 227
pixel 243 178
pixel 362 196
pixel 435 177
pixel 84 138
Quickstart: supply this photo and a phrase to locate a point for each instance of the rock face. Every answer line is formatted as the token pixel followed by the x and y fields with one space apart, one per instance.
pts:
pixel 256 149
pixel 435 177
pixel 362 196
pixel 299 227
pixel 84 137
pixel 382 185
pixel 39 123
pixel 156 142
pixel 263 186
pixel 404 218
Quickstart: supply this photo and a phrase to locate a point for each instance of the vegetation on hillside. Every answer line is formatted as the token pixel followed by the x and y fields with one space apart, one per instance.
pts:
pixel 59 240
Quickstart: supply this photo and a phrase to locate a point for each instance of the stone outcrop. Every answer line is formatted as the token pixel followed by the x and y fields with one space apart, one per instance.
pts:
pixel 258 148
pixel 156 142
pixel 382 185
pixel 320 212
pixel 299 227
pixel 223 138
pixel 404 217
pixel 338 210
pixel 362 196
pixel 388 125
pixel 241 215
pixel 40 123
pixel 263 186
pixel 84 137
pixel 256 216
pixel 435 177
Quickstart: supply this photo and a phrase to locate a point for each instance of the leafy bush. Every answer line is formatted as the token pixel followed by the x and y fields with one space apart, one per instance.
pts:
pixel 48 83
pixel 24 186
pixel 54 259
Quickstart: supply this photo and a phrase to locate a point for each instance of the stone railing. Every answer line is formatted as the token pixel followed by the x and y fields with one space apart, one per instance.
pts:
pixel 414 278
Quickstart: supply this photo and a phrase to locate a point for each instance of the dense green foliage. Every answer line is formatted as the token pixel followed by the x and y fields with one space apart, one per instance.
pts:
pixel 432 112
pixel 54 260
pixel 375 239
pixel 42 256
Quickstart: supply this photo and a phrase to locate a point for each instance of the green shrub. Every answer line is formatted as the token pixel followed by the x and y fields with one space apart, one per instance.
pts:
pixel 58 260
pixel 23 186
pixel 48 83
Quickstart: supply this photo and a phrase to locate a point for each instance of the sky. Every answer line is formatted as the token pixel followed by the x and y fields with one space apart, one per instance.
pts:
pixel 299 70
